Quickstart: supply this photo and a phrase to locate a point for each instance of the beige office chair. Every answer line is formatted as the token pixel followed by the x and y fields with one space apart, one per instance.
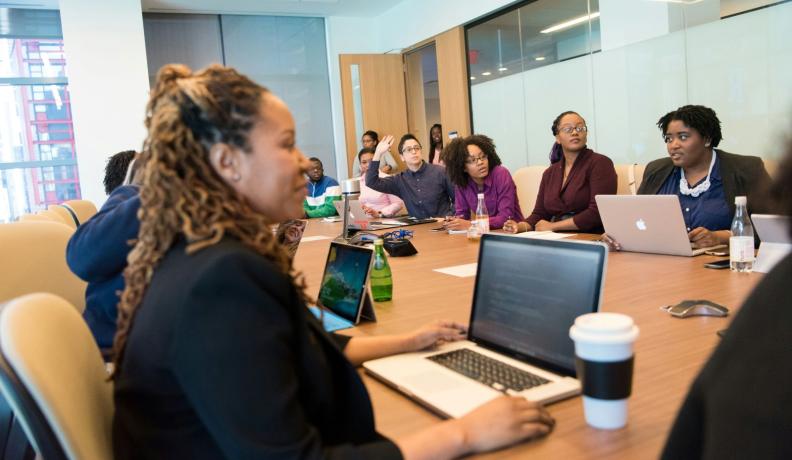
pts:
pixel 83 209
pixel 53 376
pixel 34 260
pixel 629 178
pixel 65 214
pixel 527 180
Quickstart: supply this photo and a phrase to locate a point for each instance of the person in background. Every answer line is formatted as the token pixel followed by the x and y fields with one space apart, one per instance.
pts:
pixel 576 175
pixel 116 170
pixel 738 406
pixel 388 164
pixel 473 166
pixel 217 355
pixel 322 191
pixel 97 253
pixel 424 188
pixel 376 204
pixel 436 145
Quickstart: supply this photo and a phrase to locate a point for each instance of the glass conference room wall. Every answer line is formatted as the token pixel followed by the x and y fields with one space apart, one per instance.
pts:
pixel 625 63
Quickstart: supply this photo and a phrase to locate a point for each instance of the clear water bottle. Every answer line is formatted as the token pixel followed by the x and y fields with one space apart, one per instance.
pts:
pixel 474 231
pixel 482 216
pixel 741 243
pixel 381 278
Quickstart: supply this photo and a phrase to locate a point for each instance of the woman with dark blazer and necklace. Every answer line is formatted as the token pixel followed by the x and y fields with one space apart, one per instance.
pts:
pixel 216 354
pixel 705 179
pixel 577 174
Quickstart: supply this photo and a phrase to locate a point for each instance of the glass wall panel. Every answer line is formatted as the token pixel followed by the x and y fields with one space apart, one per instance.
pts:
pixel 622 64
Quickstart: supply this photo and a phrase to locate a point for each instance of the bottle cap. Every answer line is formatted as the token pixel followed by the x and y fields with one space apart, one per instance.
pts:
pixel 480 196
pixel 740 200
pixel 378 242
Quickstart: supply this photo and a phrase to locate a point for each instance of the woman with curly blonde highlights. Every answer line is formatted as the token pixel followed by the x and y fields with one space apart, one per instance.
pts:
pixel 216 354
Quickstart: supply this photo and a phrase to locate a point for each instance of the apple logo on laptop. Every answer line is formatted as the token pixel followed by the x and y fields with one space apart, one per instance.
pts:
pixel 640 224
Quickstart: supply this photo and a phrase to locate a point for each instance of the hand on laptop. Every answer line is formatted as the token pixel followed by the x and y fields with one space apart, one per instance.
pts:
pixel 613 245
pixel 704 238
pixel 435 334
pixel 505 421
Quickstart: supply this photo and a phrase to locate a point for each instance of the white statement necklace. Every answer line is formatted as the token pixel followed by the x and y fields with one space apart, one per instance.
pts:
pixel 684 187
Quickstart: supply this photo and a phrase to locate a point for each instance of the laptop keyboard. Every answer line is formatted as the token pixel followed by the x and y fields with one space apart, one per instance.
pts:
pixel 488 371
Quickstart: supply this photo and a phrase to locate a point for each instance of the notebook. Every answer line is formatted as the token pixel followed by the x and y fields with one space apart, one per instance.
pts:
pixel 647 223
pixel 518 338
pixel 343 297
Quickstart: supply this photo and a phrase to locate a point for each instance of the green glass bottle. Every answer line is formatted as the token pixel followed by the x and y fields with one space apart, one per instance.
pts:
pixel 381 279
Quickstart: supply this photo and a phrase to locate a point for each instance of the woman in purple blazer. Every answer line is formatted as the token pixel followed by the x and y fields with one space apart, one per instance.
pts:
pixel 577 174
pixel 474 167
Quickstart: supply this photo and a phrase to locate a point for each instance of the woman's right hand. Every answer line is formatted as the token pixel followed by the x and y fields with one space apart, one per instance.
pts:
pixel 504 421
pixel 613 245
pixel 512 226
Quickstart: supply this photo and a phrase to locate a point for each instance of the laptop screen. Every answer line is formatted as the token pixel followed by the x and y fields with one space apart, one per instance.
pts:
pixel 344 280
pixel 528 294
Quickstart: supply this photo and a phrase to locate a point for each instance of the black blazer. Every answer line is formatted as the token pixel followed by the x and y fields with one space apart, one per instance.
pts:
pixel 739 405
pixel 742 175
pixel 224 361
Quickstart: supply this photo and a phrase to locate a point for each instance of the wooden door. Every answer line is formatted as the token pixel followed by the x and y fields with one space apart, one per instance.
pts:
pixel 382 103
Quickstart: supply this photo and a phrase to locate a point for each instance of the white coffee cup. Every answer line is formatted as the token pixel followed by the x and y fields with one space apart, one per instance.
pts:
pixel 604 347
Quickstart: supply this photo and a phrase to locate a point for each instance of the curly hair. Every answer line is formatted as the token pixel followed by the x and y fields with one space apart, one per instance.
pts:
pixel 182 195
pixel 702 119
pixel 456 154
pixel 116 170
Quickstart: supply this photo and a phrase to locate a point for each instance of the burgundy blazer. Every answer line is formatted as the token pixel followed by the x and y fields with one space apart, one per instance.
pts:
pixel 592 174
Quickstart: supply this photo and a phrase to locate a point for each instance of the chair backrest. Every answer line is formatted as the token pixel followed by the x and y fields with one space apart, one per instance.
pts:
pixel 629 178
pixel 53 376
pixel 64 213
pixel 527 180
pixel 34 260
pixel 83 209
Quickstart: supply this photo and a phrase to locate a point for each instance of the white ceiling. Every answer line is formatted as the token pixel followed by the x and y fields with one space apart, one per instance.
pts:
pixel 359 8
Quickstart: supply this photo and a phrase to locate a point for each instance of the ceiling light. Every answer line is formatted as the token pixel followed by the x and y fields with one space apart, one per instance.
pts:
pixel 472 78
pixel 502 69
pixel 539 58
pixel 486 74
pixel 570 23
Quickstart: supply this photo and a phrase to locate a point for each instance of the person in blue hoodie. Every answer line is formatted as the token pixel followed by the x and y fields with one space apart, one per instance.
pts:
pixel 322 191
pixel 97 253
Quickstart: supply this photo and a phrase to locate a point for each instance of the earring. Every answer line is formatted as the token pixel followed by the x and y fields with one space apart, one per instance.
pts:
pixel 236 178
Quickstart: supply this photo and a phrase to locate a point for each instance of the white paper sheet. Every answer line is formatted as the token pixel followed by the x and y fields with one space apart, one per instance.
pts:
pixel 462 271
pixel 307 239
pixel 544 235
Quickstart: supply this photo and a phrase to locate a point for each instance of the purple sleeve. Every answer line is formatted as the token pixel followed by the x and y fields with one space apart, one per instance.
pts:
pixel 539 211
pixel 461 205
pixel 507 199
pixel 602 181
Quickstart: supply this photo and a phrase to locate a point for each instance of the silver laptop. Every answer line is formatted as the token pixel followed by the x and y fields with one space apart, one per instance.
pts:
pixel 356 211
pixel 518 339
pixel 773 231
pixel 647 223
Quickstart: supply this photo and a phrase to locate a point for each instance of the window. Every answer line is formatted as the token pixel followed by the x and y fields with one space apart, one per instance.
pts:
pixel 38 163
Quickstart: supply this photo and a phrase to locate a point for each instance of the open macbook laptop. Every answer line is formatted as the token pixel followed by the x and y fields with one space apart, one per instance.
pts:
pixel 344 290
pixel 647 223
pixel 528 293
pixel 773 231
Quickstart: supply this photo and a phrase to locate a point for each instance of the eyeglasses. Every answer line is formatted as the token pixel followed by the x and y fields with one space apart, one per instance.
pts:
pixel 416 148
pixel 474 160
pixel 569 129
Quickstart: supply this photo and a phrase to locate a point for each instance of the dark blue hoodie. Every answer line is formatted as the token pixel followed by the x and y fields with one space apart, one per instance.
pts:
pixel 97 253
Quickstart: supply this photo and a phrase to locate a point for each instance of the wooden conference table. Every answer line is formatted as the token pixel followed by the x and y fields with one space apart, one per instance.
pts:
pixel 669 351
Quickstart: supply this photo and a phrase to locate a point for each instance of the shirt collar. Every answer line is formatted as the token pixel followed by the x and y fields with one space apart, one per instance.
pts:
pixel 420 170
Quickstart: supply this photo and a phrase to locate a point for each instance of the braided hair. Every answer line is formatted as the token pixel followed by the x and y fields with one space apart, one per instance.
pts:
pixel 181 194
pixel 702 119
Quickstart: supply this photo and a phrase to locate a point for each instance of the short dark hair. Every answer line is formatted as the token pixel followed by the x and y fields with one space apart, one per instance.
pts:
pixel 406 138
pixel 372 134
pixel 317 160
pixel 365 150
pixel 702 119
pixel 557 121
pixel 116 170
pixel 456 153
